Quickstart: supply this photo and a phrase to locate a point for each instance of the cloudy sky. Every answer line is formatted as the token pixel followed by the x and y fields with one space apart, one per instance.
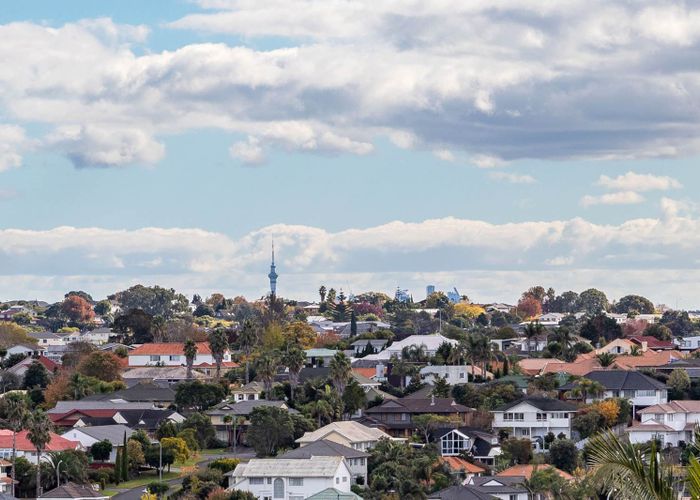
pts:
pixel 488 145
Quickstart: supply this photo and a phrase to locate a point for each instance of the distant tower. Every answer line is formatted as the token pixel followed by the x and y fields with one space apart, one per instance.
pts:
pixel 273 273
pixel 429 290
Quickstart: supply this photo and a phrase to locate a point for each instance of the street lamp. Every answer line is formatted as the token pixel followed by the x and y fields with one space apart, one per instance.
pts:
pixel 58 473
pixel 160 460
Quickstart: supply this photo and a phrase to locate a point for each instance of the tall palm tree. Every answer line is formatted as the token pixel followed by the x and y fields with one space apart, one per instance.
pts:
pixel 248 340
pixel 401 368
pixel 218 343
pixel 585 387
pixel 322 410
pixel 294 360
pixel 632 472
pixel 606 359
pixel 532 330
pixel 322 293
pixel 39 435
pixel 190 351
pixel 17 415
pixel 340 372
pixel 267 369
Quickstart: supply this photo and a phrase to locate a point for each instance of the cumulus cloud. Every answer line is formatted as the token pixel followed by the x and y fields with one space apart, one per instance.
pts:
pixel 632 181
pixel 249 151
pixel 513 178
pixel 12 140
pixel 619 198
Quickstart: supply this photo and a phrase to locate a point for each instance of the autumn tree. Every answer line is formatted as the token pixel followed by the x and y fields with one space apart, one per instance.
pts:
pixel 77 310
pixel 102 365
pixel 299 333
pixel 529 307
pixel 12 334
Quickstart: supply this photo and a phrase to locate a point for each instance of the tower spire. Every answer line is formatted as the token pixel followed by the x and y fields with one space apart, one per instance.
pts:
pixel 273 273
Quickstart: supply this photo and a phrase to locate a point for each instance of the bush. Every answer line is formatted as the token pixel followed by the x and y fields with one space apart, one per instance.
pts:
pixel 157 488
pixel 224 464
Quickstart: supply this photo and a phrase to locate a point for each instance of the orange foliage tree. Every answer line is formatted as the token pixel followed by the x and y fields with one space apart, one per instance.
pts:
pixel 77 310
pixel 529 307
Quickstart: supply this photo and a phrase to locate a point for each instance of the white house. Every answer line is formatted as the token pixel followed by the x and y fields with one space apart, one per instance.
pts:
pixel 26 449
pixel 346 432
pixel 551 319
pixel 25 350
pixel 355 459
pixel 534 418
pixel 429 344
pixel 670 423
pixel 687 343
pixel 502 487
pixel 45 339
pixel 172 354
pixel 87 436
pixel 482 446
pixel 5 479
pixel 453 374
pixel 290 479
pixel 642 391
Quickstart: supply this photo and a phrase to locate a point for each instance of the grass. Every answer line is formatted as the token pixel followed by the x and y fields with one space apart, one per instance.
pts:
pixel 190 462
pixel 213 451
pixel 144 479
pixel 110 493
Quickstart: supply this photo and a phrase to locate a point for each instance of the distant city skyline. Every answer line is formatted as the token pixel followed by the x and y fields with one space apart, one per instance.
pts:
pixel 381 144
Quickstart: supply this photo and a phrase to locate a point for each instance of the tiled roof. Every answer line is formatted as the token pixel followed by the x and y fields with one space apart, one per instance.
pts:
pixel 72 490
pixel 353 431
pixel 244 408
pixel 459 464
pixel 651 425
pixel 266 467
pixel 333 494
pixel 64 407
pixel 652 342
pixel 678 406
pixel 546 404
pixel 324 448
pixel 419 405
pixel 527 470
pixel 57 442
pixel 460 492
pixel 168 349
pixel 161 373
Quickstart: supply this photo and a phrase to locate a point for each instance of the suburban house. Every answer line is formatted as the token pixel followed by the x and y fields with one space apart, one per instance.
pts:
pixel 368 346
pixel 25 350
pixel 502 487
pixel 44 339
pixel 617 346
pixel 670 423
pixel 73 491
pixel 290 479
pixel 161 375
pixel 172 354
pixel 87 436
pixel 690 365
pixel 526 471
pixel 429 344
pixel 26 449
pixel 143 392
pixel 397 414
pixel 534 418
pixel 480 445
pixel 319 356
pixel 347 433
pixel 453 374
pixel 461 469
pixel 5 479
pixel 21 368
pixel 356 459
pixel 239 413
pixel 135 415
pixel 249 392
pixel 649 342
pixel 641 390
pixel 687 343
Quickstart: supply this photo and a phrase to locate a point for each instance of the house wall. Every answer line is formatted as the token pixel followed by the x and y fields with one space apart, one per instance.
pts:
pixel 174 360
pixel 639 398
pixel 530 425
pixel 342 481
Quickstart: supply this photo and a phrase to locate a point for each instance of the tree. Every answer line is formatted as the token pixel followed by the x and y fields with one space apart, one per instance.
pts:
pixel 585 387
pixel 532 330
pixel 178 446
pixel 103 308
pixel 340 371
pixel 36 376
pixel 678 322
pixel 101 450
pixel 517 451
pixel 134 455
pixel 266 369
pixel 321 410
pixel 102 365
pixel 155 301
pixel 270 429
pixel 299 333
pixel 426 423
pixel 606 359
pixel 354 397
pixel 248 339
pixel 563 455
pixel 441 388
pixel 77 310
pixel 294 360
pixel 137 323
pixel 190 351
pixel 601 326
pixel 224 464
pixel 12 334
pixel 593 301
pixel 158 488
pixel 218 343
pixel 679 381
pixel 202 425
pixel 39 426
pixel 529 307
pixel 17 416
pixel 190 437
pixel 659 331
pixel 125 459
pixel 631 304
pixel 353 324
pixel 203 310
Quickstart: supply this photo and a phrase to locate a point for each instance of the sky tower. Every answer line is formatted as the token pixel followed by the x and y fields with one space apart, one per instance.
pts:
pixel 273 274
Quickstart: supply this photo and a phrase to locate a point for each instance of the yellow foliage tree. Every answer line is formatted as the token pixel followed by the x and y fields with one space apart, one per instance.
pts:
pixel 179 448
pixel 272 337
pixel 300 333
pixel 12 334
pixel 468 310
pixel 610 411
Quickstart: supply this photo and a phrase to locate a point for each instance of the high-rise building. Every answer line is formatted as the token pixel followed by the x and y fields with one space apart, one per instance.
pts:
pixel 273 274
pixel 429 290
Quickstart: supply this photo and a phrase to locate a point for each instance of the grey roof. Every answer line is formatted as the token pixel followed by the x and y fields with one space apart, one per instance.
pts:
pixel 66 406
pixel 43 335
pixel 546 404
pixel 460 492
pixel 324 448
pixel 73 490
pixel 141 392
pixel 373 342
pixel 161 373
pixel 265 467
pixel 333 494
pixel 508 484
pixel 419 405
pixel 618 380
pixel 245 407
pixel 147 419
pixel 112 433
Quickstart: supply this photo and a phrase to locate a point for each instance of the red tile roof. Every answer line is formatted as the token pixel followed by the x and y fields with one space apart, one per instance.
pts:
pixel 459 464
pixel 168 349
pixel 57 442
pixel 527 470
pixel 48 364
pixel 652 342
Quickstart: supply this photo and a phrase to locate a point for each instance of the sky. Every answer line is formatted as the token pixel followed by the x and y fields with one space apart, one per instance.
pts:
pixel 484 145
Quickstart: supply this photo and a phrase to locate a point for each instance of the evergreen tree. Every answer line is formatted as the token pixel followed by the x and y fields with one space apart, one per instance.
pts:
pixel 353 324
pixel 118 467
pixel 505 367
pixel 125 461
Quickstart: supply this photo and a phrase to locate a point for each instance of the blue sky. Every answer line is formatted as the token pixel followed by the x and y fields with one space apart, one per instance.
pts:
pixel 381 146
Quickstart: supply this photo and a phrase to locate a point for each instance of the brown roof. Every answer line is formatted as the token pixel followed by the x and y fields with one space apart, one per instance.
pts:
pixel 679 406
pixel 459 464
pixel 527 470
pixel 533 366
pixel 168 349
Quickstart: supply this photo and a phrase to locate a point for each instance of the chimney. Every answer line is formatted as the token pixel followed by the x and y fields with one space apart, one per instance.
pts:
pixel 645 346
pixel 432 400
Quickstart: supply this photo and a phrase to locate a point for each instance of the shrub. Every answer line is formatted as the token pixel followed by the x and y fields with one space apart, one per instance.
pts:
pixel 224 464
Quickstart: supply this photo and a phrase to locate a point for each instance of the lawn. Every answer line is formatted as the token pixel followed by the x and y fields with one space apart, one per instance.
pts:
pixel 213 451
pixel 144 479
pixel 190 462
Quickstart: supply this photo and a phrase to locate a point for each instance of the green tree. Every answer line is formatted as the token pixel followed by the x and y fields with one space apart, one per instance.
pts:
pixel 155 300
pixel 679 381
pixel 353 324
pixel 340 371
pixel 248 340
pixel 593 301
pixel 198 396
pixel 190 351
pixel 630 304
pixel 270 429
pixel 17 417
pixel 101 450
pixel 585 387
pixel 39 426
pixel 218 343
pixel 294 359
pixel 36 376
pixel 517 451
pixel 102 365
pixel 202 425
pixel 563 455
pixel 266 368
pixel 606 359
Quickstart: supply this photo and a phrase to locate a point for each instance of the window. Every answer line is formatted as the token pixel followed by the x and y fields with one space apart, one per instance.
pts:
pixel 154 358
pixel 541 416
pixel 278 488
pixel 296 497
pixel 174 358
pixel 345 479
pixel 362 461
pixel 337 480
pixel 670 417
pixel 256 480
pixel 269 480
pixel 645 394
pixel 627 393
pixel 452 444
pixel 513 497
pixel 514 416
pixel 296 481
pixel 461 375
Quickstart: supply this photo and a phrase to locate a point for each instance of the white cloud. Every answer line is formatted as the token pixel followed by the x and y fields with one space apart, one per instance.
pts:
pixel 486 161
pixel 619 198
pixel 249 151
pixel 12 140
pixel 444 155
pixel 513 178
pixel 632 181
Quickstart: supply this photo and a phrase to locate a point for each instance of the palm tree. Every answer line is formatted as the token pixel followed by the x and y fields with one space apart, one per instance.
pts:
pixel 635 350
pixel 267 369
pixel 402 369
pixel 190 351
pixel 533 329
pixel 584 387
pixel 17 415
pixel 322 293
pixel 218 343
pixel 248 340
pixel 340 372
pixel 321 409
pixel 606 359
pixel 39 435
pixel 294 360
pixel 634 472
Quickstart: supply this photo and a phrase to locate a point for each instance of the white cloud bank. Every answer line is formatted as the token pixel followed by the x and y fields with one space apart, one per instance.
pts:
pixel 492 81
pixel 619 198
pixel 657 256
pixel 632 181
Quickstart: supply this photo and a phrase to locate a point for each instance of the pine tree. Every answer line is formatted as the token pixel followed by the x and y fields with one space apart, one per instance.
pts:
pixel 118 467
pixel 353 324
pixel 505 367
pixel 125 461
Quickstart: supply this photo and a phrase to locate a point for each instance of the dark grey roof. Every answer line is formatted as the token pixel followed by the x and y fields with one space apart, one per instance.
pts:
pixel 618 380
pixel 143 392
pixel 245 407
pixel 460 493
pixel 113 433
pixel 546 404
pixel 324 448
pixel 419 405
pixel 508 484
pixel 145 419
pixel 72 490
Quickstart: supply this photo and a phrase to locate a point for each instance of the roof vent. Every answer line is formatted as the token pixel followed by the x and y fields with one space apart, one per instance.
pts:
pixel 432 400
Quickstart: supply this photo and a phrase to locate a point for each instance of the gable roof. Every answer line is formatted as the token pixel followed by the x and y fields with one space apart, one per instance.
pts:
pixel 144 391
pixel 677 406
pixel 73 490
pixel 112 433
pixel 57 443
pixel 65 407
pixel 545 404
pixel 353 431
pixel 618 380
pixel 652 342
pixel 324 448
pixel 161 373
pixel 333 494
pixel 460 492
pixel 168 349
pixel 527 471
pixel 246 407
pixel 419 405
pixel 499 484
pixel 266 467
pixel 458 464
